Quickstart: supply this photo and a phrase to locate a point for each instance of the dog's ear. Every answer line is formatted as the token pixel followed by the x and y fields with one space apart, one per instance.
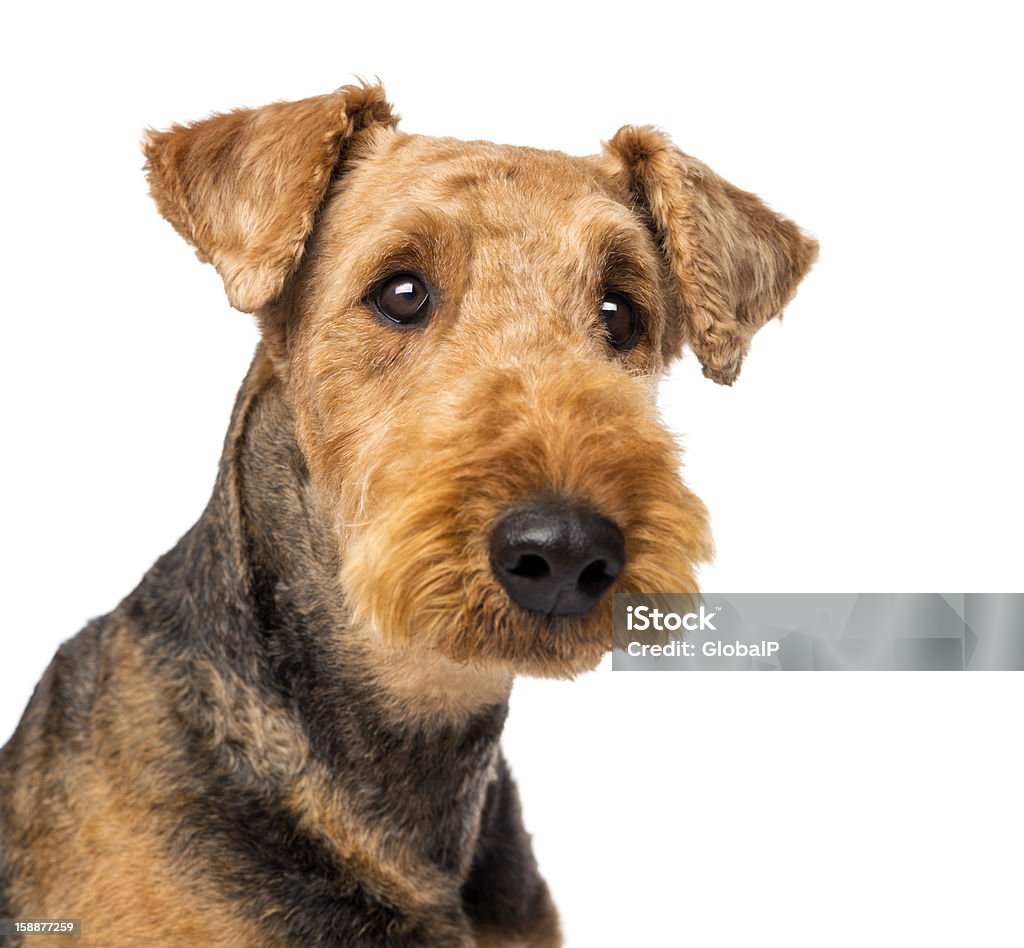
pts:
pixel 244 187
pixel 735 262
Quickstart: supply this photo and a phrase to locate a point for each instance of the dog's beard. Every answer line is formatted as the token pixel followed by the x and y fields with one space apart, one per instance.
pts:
pixel 415 527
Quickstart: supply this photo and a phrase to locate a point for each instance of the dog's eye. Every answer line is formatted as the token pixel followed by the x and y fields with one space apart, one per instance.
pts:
pixel 403 298
pixel 620 321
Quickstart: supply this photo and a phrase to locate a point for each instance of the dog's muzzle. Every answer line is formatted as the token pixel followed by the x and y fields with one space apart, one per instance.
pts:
pixel 556 557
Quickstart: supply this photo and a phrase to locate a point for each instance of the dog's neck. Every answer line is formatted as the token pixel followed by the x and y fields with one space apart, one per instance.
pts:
pixel 320 718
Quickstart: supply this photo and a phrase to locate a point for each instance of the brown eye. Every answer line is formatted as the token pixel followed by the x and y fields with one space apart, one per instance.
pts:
pixel 403 298
pixel 620 321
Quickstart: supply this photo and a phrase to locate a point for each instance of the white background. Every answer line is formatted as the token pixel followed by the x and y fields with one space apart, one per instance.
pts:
pixel 871 444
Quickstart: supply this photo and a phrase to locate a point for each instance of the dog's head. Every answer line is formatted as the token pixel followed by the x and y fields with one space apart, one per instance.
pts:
pixel 469 336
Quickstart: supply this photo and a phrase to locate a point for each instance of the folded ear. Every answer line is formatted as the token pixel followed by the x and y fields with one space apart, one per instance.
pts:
pixel 735 262
pixel 244 187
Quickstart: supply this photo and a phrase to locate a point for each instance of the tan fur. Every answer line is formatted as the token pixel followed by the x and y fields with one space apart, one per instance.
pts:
pixel 393 869
pixel 124 884
pixel 415 683
pixel 244 188
pixel 544 939
pixel 736 263
pixel 412 683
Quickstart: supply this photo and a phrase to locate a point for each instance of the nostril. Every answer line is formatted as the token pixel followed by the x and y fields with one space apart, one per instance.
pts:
pixel 531 566
pixel 595 578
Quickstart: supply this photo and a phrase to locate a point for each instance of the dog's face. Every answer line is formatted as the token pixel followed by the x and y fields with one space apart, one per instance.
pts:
pixel 478 331
pixel 469 335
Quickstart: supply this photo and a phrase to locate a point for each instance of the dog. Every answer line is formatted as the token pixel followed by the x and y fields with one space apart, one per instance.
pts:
pixel 443 461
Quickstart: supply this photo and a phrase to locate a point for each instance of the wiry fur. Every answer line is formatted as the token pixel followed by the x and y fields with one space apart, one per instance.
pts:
pixel 467 457
pixel 289 733
pixel 244 188
pixel 736 263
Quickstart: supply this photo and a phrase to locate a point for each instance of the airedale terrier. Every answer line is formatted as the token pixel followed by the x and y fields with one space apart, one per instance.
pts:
pixel 444 457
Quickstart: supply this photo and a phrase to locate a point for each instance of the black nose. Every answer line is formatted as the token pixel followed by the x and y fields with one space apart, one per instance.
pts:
pixel 556 558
